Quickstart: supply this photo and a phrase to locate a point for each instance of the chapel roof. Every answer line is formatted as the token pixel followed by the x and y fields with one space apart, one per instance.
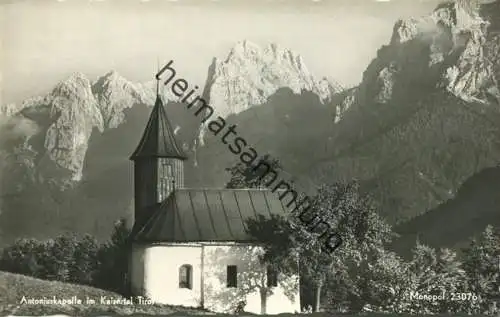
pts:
pixel 158 139
pixel 196 215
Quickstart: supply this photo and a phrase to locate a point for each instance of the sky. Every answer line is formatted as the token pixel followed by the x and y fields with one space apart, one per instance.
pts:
pixel 43 41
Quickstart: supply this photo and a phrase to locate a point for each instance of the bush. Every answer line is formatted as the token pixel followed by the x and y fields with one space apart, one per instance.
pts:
pixel 85 261
pixel 68 259
pixel 22 257
pixel 382 281
pixel 113 261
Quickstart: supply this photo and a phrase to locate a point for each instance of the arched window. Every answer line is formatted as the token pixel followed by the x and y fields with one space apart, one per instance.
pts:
pixel 186 276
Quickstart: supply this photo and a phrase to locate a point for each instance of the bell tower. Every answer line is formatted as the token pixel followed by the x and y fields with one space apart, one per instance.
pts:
pixel 158 163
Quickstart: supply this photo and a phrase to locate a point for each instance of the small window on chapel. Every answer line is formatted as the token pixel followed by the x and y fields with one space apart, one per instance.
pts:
pixel 232 276
pixel 272 277
pixel 186 276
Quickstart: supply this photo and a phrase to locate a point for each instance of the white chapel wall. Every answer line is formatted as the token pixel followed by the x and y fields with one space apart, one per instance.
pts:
pixel 251 278
pixel 155 273
pixel 161 278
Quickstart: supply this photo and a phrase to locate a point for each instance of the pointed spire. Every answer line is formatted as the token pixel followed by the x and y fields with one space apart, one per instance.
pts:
pixel 157 79
pixel 158 139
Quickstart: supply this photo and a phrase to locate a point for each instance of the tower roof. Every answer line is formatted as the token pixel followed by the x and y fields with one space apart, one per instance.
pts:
pixel 158 139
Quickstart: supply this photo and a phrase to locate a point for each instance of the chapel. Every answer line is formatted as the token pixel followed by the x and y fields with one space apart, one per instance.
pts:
pixel 189 247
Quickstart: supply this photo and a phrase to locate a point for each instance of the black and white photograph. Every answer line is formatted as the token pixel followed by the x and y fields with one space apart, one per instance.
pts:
pixel 250 157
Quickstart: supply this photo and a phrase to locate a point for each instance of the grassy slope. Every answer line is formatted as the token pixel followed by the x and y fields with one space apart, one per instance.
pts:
pixel 14 286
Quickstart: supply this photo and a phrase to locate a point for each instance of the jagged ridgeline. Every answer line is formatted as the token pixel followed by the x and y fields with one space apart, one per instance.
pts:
pixel 423 120
pixel 72 172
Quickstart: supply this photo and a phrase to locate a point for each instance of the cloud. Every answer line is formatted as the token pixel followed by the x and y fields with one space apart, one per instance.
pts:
pixel 15 127
pixel 12 128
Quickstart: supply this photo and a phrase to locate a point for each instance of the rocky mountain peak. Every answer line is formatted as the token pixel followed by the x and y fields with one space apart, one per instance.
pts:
pixel 246 49
pixel 73 114
pixel 75 86
pixel 453 16
pixel 114 94
pixel 73 109
pixel 272 53
pixel 250 73
pixel 449 48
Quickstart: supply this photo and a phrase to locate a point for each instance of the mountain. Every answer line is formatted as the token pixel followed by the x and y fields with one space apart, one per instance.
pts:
pixel 476 204
pixel 420 132
pixel 69 113
pixel 271 96
pixel 425 117
pixel 250 74
pixel 114 94
pixel 287 126
pixel 43 174
pixel 67 167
